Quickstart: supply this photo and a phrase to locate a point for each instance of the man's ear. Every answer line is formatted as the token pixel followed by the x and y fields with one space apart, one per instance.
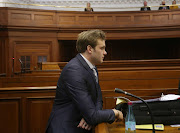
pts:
pixel 89 49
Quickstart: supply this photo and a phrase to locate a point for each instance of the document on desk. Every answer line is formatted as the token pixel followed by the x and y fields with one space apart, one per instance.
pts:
pixel 177 125
pixel 149 126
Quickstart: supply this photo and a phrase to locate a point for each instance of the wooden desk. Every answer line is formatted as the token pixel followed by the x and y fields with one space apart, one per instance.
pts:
pixel 118 127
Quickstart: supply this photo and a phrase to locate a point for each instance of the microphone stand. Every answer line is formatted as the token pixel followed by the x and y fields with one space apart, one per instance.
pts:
pixel 22 69
pixel 129 94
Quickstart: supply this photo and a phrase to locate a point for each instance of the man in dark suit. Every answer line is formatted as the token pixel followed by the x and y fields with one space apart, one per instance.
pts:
pixel 164 7
pixel 145 7
pixel 78 102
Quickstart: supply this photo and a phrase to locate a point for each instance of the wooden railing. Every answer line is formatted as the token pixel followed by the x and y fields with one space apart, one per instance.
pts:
pixel 73 19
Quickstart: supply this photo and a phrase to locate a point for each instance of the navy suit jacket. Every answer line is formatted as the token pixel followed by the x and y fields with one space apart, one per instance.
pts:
pixel 77 96
pixel 161 8
pixel 147 8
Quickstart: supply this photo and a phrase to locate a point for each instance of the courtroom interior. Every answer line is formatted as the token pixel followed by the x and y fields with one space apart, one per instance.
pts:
pixel 38 38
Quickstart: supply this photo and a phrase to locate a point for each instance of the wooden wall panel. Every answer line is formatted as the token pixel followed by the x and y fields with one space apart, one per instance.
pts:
pixel 25 110
pixel 19 18
pixel 38 111
pixel 2 57
pixel 121 19
pixel 86 18
pixel 10 115
pixel 176 16
pixel 28 17
pixel 144 18
pixel 118 20
pixel 30 81
pixel 67 20
pixel 32 49
pixel 3 16
pixel 63 20
pixel 105 19
pixel 139 84
pixel 161 18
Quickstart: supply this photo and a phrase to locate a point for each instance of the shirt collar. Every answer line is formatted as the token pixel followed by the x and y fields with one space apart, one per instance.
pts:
pixel 88 62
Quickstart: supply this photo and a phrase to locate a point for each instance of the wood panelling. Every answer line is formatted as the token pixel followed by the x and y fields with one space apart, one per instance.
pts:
pixel 25 110
pixel 3 16
pixel 121 19
pixel 21 16
pixel 135 65
pixel 35 31
pixel 105 19
pixel 123 79
pixel 63 19
pixel 50 73
pixel 2 56
pixel 37 110
pixel 67 18
pixel 10 115
pixel 142 18
pixel 161 18
pixel 32 49
pixel 29 81
pixel 33 45
pixel 49 26
pixel 176 16
pixel 139 84
pixel 86 18
pixel 131 74
pixel 31 18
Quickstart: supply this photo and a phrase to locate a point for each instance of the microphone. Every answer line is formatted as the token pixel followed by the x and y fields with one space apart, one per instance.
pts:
pixel 20 61
pixel 22 69
pixel 117 90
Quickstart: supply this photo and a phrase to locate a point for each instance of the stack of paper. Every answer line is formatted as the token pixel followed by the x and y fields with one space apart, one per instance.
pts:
pixel 149 126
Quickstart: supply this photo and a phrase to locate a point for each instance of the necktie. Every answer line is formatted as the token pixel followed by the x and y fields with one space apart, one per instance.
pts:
pixel 95 74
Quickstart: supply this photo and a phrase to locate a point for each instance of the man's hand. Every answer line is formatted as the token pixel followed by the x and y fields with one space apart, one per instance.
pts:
pixel 84 125
pixel 118 114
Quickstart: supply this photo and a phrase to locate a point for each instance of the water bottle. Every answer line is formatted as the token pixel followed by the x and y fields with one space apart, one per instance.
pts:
pixel 130 123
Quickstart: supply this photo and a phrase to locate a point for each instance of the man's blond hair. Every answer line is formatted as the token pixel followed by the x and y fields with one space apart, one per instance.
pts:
pixel 89 37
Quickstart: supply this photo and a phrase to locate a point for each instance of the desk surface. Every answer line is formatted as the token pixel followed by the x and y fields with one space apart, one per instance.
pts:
pixel 118 127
